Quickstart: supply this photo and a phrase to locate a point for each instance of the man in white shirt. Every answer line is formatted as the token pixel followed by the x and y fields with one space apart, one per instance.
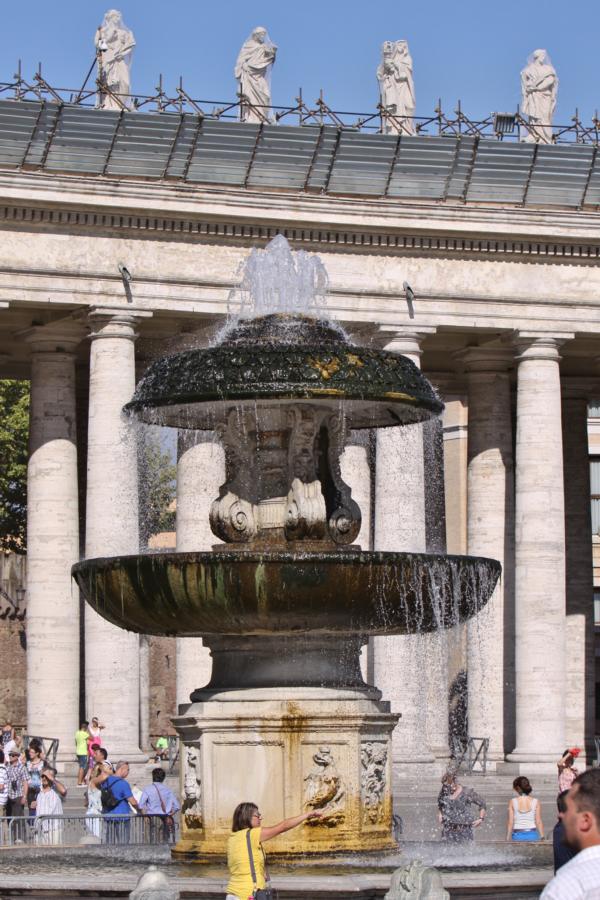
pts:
pixel 3 785
pixel 579 879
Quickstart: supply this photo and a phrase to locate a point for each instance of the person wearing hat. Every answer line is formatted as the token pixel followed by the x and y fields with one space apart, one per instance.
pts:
pixel 18 785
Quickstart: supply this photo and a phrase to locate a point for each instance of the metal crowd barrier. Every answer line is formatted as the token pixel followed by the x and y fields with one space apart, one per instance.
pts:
pixel 49 746
pixel 470 751
pixel 171 753
pixel 81 828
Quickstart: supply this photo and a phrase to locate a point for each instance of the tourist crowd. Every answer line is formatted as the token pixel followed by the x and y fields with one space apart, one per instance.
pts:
pixel 32 795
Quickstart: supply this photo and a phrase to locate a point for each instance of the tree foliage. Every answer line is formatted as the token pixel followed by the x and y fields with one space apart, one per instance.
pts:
pixel 157 486
pixel 14 436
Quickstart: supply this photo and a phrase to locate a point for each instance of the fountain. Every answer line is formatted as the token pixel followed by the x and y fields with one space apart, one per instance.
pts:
pixel 288 600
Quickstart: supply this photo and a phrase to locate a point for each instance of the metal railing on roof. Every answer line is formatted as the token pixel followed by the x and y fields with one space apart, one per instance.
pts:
pixel 501 126
pixel 459 161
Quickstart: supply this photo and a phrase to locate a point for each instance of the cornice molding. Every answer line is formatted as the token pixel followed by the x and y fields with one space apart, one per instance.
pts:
pixel 324 236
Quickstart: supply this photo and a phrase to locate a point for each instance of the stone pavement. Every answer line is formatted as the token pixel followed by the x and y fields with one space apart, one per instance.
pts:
pixel 462 886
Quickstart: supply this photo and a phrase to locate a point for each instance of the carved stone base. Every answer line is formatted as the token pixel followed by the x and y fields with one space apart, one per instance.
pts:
pixel 287 750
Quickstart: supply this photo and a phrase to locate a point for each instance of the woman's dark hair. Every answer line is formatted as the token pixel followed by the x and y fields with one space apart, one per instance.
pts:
pixel 242 816
pixel 35 744
pixel 522 785
pixel 569 759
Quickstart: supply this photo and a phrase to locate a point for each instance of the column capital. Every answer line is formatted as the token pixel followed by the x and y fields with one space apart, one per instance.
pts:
pixel 488 360
pixel 55 337
pixel 405 339
pixel 116 321
pixel 540 345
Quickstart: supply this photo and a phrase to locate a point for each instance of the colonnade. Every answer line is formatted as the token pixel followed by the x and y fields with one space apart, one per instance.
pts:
pixel 515 513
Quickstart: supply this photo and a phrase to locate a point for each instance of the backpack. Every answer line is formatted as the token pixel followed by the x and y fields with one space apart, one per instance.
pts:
pixel 109 801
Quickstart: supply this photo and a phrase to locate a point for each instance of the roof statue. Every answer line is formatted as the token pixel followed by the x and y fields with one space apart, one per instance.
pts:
pixel 253 72
pixel 114 49
pixel 539 88
pixel 396 87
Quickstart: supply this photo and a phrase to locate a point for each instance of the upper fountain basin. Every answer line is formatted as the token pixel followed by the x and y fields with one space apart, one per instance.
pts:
pixel 287 358
pixel 243 593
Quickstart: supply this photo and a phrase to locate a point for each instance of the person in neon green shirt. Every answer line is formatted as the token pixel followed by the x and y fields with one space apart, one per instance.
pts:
pixel 246 818
pixel 161 748
pixel 81 739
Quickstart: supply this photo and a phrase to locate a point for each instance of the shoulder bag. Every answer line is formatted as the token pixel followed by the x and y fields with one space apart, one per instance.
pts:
pixel 265 893
pixel 168 818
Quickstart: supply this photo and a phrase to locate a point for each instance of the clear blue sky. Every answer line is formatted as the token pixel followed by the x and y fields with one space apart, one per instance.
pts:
pixel 467 49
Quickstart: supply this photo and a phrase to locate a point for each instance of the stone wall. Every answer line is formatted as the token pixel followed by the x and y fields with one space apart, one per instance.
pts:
pixel 162 686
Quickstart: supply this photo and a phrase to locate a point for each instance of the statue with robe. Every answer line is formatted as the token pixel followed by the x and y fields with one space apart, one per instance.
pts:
pixel 253 72
pixel 397 88
pixel 539 88
pixel 114 49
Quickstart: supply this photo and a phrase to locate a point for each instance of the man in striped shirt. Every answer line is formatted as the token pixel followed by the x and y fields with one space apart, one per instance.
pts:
pixel 579 879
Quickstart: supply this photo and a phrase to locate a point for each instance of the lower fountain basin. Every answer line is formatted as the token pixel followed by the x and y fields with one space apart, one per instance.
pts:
pixel 246 593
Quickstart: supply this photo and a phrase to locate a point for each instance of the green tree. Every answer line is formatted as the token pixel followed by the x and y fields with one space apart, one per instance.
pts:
pixel 157 486
pixel 14 436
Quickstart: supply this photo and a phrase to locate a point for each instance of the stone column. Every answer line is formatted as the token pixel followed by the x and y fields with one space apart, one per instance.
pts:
pixel 53 538
pixel 355 464
pixel 200 472
pixel 539 558
pixel 455 471
pixel 455 495
pixel 355 467
pixel 144 682
pixel 580 660
pixel 112 655
pixel 399 663
pixel 490 524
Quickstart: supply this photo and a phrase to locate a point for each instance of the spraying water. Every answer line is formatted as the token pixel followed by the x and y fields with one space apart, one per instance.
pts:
pixel 279 280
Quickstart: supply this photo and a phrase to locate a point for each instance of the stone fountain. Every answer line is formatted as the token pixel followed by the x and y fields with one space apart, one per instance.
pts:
pixel 288 600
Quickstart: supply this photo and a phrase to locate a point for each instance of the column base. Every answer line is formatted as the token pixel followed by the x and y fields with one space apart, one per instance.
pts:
pixel 524 763
pixel 66 765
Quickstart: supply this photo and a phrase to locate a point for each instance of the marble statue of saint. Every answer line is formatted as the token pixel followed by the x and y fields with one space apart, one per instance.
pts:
pixel 253 72
pixel 114 49
pixel 397 88
pixel 539 87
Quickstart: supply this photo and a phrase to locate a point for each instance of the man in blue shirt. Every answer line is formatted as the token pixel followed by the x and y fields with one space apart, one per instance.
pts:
pixel 117 816
pixel 160 802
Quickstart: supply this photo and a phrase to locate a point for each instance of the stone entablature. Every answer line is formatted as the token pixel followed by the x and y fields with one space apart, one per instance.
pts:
pixel 312 236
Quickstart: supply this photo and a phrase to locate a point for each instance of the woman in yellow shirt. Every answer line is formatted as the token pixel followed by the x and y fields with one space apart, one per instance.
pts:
pixel 246 818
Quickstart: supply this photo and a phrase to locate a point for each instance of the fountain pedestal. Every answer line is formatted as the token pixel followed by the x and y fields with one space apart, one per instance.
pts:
pixel 287 749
